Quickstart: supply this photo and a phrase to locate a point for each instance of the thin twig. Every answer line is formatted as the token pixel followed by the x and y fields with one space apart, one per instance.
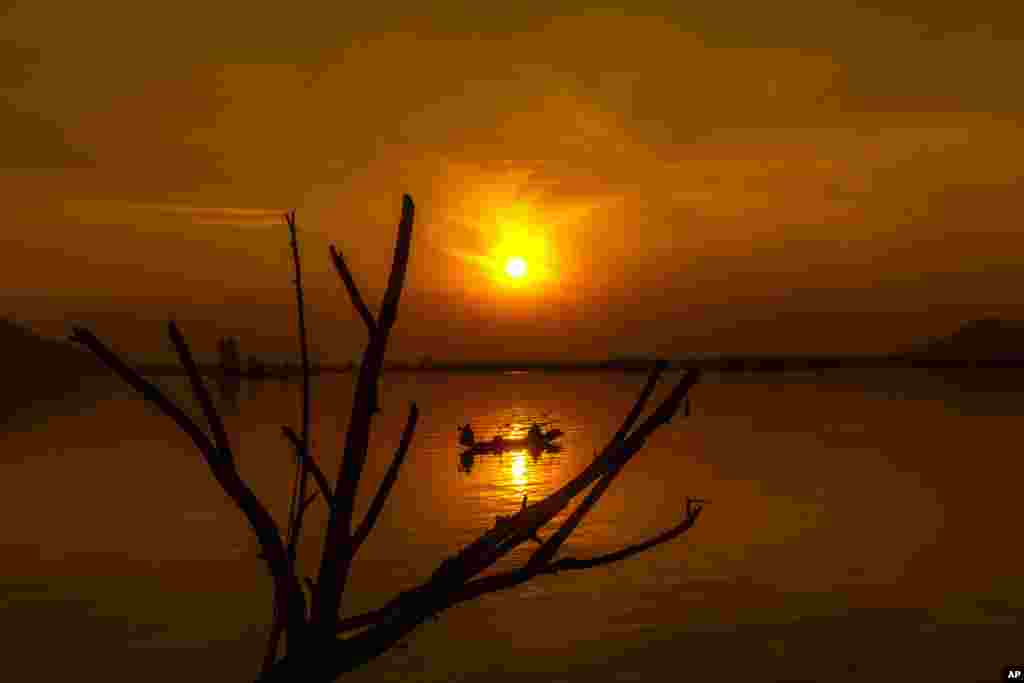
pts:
pixel 306 503
pixel 303 450
pixel 353 290
pixel 301 445
pixel 311 463
pixel 688 521
pixel 293 503
pixel 199 390
pixel 384 490
pixel 641 402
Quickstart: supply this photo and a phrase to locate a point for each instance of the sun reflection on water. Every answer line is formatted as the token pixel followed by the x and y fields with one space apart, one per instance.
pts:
pixel 519 468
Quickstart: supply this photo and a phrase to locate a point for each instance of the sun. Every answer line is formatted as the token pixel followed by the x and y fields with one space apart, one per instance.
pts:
pixel 515 267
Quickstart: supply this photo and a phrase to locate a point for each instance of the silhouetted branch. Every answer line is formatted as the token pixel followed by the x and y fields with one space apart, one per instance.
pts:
pixel 148 390
pixel 496 543
pixel 692 513
pixel 641 401
pixel 301 513
pixel 288 595
pixel 377 505
pixel 400 617
pixel 292 437
pixel 338 548
pixel 353 291
pixel 302 508
pixel 501 581
pixel 311 463
pixel 293 501
pixel 543 555
pixel 199 390
pixel 399 264
pixel 315 653
pixel 301 445
pixel 454 573
pixel 548 549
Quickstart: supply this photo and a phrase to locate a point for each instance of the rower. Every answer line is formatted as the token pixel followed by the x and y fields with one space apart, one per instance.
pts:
pixel 466 437
pixel 535 436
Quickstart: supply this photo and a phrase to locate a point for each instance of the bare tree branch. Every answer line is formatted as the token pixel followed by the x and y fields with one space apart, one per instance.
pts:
pixel 496 543
pixel 495 582
pixel 311 463
pixel 411 607
pixel 303 449
pixel 338 548
pixel 690 518
pixel 199 390
pixel 390 476
pixel 287 592
pixel 543 555
pixel 389 307
pixel 148 390
pixel 393 622
pixel 296 517
pixel 307 502
pixel 315 653
pixel 353 291
pixel 549 548
pixel 641 401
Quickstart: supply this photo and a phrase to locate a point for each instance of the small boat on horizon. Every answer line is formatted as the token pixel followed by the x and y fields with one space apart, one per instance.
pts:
pixel 500 444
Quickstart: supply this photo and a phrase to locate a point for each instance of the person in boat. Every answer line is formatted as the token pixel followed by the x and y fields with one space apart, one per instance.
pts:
pixel 535 437
pixel 466 437
pixel 499 443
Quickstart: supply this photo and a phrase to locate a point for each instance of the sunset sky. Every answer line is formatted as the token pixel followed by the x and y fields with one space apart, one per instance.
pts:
pixel 752 176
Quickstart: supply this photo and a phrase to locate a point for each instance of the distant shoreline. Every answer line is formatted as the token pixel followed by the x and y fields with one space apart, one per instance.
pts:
pixel 981 343
pixel 731 364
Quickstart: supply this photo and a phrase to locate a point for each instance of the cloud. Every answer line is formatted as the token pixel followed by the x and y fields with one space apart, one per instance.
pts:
pixel 115 211
pixel 217 215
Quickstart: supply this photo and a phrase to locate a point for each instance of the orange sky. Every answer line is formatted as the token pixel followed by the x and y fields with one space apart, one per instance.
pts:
pixel 760 177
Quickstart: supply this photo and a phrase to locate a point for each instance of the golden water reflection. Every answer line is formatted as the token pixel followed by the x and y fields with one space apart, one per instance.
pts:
pixel 519 468
pixel 499 480
pixel 784 543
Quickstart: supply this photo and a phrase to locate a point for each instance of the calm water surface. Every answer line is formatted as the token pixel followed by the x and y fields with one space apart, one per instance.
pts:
pixel 863 526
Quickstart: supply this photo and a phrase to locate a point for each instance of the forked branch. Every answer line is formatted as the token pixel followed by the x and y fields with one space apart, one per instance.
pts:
pixel 319 655
pixel 339 548
pixel 353 290
pixel 388 482
pixel 311 463
pixel 288 598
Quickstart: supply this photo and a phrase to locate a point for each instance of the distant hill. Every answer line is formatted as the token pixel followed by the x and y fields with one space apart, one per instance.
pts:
pixel 985 338
pixel 35 368
pixel 23 348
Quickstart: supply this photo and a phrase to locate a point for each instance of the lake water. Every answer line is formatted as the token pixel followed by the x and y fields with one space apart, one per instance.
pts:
pixel 863 526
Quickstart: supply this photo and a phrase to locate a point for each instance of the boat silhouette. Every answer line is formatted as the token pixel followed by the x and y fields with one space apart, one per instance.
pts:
pixel 500 444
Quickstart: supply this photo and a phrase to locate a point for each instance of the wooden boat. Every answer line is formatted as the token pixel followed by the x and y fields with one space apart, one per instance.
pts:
pixel 502 445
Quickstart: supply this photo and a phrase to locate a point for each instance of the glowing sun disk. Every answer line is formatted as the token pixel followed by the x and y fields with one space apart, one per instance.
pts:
pixel 515 267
